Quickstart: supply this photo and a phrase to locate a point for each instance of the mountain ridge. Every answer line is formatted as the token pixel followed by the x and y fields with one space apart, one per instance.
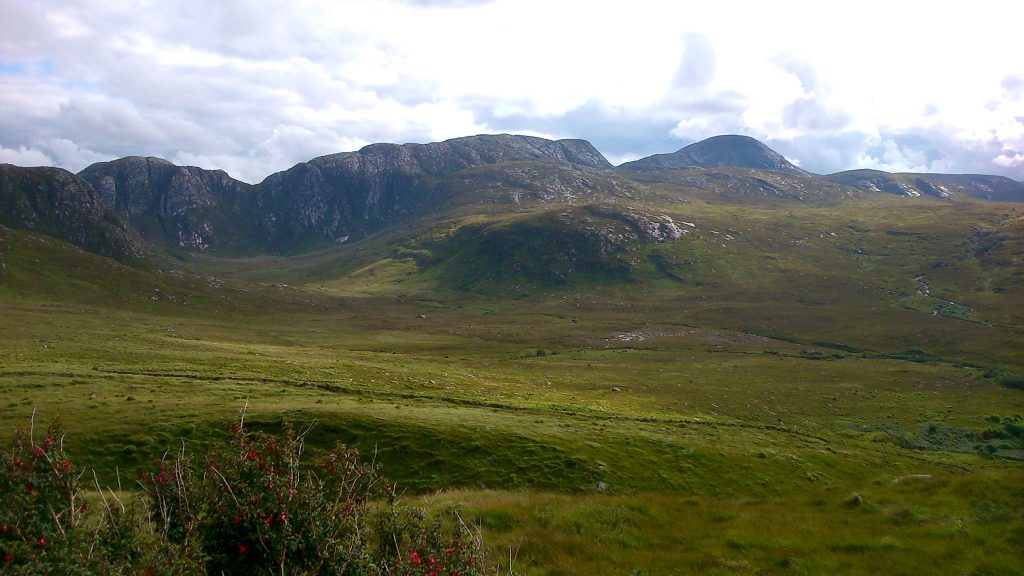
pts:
pixel 335 197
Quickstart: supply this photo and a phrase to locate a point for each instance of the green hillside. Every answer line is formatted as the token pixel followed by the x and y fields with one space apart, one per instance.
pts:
pixel 703 404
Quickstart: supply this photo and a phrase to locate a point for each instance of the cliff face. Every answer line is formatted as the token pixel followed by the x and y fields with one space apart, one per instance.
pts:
pixel 54 201
pixel 184 207
pixel 353 193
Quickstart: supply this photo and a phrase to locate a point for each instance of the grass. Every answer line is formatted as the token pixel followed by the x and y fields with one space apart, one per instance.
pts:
pixel 918 525
pixel 726 414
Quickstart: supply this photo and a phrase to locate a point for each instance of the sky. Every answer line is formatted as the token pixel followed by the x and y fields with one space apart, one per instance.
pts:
pixel 255 86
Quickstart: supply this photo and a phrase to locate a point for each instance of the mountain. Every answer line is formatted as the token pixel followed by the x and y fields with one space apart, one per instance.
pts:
pixel 350 195
pixel 183 207
pixel 911 185
pixel 353 193
pixel 743 185
pixel 996 188
pixel 57 203
pixel 728 151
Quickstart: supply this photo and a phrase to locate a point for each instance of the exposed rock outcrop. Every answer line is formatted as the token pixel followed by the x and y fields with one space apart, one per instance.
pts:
pixel 183 206
pixel 353 193
pixel 55 202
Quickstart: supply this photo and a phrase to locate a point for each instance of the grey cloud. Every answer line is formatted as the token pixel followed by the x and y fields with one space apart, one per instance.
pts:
pixel 1013 87
pixel 803 71
pixel 254 88
pixel 615 133
pixel 698 66
pixel 447 3
pixel 823 153
pixel 811 115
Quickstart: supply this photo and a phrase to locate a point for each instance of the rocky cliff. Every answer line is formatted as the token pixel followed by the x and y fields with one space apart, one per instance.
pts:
pixel 181 206
pixel 54 201
pixel 352 193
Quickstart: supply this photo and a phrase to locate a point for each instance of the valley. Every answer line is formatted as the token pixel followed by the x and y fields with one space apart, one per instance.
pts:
pixel 721 369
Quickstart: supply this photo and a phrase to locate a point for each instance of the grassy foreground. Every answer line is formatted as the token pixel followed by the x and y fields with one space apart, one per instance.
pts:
pixel 652 427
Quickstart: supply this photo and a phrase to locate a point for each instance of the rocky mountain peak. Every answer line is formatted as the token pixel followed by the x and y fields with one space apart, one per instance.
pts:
pixel 181 205
pixel 441 158
pixel 728 151
pixel 56 202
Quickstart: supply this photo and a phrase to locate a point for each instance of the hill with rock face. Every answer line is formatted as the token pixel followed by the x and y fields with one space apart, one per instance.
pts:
pixel 350 195
pixel 55 202
pixel 328 198
pixel 180 206
pixel 911 185
pixel 728 151
pixel 996 188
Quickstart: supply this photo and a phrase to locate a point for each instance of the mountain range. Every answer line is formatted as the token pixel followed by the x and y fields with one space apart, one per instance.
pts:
pixel 117 208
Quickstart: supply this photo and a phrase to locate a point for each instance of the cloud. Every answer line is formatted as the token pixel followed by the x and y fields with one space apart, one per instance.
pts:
pixel 1013 87
pixel 256 86
pixel 22 156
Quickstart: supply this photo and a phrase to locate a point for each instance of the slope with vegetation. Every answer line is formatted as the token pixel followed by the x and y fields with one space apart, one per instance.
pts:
pixel 698 379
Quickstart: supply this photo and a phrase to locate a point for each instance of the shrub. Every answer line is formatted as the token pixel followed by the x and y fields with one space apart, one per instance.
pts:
pixel 1005 378
pixel 256 504
pixel 42 505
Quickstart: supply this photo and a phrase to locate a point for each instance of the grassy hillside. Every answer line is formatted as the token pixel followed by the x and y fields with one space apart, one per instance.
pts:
pixel 710 407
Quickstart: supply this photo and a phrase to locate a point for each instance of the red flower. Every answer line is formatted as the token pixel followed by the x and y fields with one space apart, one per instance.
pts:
pixel 243 548
pixel 4 529
pixel 41 542
pixel 66 466
pixel 49 442
pixel 8 558
pixel 414 559
pixel 250 455
pixel 38 452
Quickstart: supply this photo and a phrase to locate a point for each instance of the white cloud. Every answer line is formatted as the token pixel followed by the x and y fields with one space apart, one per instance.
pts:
pixel 22 156
pixel 255 86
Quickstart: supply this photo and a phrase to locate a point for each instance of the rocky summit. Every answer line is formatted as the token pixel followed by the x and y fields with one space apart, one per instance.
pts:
pixel 57 203
pixel 184 207
pixel 729 151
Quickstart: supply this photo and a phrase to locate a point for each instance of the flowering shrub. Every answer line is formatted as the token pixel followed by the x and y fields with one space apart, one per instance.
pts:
pixel 42 505
pixel 423 547
pixel 254 505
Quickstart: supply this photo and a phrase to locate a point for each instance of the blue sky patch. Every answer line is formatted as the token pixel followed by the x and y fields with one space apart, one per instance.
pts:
pixel 12 68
